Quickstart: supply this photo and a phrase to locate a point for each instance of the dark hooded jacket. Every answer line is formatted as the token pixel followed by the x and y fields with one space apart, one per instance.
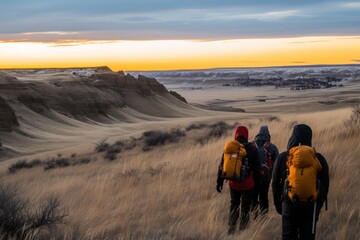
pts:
pixel 302 135
pixel 264 136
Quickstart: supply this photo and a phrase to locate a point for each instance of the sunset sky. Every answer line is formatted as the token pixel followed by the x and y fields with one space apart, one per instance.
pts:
pixel 169 34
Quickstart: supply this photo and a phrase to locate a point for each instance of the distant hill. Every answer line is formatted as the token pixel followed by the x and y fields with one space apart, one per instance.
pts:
pixel 217 76
pixel 84 94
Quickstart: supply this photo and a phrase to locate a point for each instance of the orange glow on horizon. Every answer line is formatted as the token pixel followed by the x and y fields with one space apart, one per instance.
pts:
pixel 182 54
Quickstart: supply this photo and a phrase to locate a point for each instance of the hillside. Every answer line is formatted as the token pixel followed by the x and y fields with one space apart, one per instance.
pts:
pixel 122 158
pixel 43 104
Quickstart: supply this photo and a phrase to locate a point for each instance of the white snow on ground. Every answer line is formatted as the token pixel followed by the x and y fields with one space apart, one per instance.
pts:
pixel 346 72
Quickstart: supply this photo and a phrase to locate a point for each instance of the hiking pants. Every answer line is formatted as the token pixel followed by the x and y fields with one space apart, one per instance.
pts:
pixel 237 197
pixel 297 221
pixel 260 197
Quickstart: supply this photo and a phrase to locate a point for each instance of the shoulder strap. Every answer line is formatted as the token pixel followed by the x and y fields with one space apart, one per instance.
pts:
pixel 267 145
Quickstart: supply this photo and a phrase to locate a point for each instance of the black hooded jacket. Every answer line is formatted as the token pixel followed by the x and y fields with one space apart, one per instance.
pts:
pixel 302 135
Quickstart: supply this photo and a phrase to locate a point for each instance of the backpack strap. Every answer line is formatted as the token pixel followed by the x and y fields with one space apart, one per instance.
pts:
pixel 267 145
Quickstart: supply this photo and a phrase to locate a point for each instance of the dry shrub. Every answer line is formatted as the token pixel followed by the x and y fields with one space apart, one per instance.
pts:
pixel 19 219
pixel 23 164
pixel 156 138
pixel 216 131
pixel 57 163
pixel 102 145
pixel 272 118
pixel 112 152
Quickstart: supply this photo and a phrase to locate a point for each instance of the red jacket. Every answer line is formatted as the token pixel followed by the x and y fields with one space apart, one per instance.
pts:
pixel 247 184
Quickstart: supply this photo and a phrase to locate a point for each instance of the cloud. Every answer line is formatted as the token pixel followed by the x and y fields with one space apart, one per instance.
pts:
pixel 77 42
pixel 310 41
pixel 49 33
pixel 356 60
pixel 298 62
pixel 351 5
pixel 15 40
pixel 274 16
pixel 50 21
pixel 205 15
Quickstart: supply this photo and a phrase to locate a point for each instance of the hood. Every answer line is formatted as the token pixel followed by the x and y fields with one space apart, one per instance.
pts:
pixel 264 134
pixel 241 131
pixel 301 135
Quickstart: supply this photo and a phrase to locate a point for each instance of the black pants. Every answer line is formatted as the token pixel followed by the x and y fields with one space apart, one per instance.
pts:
pixel 297 221
pixel 237 197
pixel 260 198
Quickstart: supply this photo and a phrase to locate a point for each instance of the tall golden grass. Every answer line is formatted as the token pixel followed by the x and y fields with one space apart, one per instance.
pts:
pixel 169 192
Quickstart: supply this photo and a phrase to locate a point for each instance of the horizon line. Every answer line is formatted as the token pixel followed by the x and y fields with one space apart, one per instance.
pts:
pixel 185 69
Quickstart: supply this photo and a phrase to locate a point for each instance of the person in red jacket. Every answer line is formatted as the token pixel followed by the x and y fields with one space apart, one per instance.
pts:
pixel 241 192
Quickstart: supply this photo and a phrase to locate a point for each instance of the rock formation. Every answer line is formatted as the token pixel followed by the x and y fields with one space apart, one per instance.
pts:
pixel 78 94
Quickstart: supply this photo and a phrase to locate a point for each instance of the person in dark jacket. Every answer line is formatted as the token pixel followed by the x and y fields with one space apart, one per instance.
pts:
pixel 298 219
pixel 269 153
pixel 241 192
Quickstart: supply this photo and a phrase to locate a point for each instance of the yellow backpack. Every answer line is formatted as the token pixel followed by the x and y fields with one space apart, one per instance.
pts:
pixel 234 153
pixel 303 167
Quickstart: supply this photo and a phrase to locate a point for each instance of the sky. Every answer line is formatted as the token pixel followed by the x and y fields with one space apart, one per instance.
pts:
pixel 174 34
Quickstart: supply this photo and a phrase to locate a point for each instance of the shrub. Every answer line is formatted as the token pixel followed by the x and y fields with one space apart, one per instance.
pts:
pixel 272 118
pixel 84 160
pixel 119 143
pixel 23 164
pixel 113 149
pixel 155 138
pixel 130 144
pixel 102 145
pixel 217 130
pixel 56 163
pixel 112 152
pixel 127 144
pixel 110 156
pixel 19 219
pixel 51 164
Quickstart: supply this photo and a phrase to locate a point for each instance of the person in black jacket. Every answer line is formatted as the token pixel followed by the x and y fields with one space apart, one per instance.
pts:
pixel 267 154
pixel 298 219
pixel 241 191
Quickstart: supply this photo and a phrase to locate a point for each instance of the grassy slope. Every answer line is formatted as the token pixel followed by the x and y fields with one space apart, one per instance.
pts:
pixel 124 200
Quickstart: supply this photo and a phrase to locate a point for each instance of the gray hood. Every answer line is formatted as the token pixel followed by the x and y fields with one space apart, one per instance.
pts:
pixel 264 134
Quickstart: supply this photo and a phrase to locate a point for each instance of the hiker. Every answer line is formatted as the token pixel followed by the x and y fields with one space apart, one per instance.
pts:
pixel 242 182
pixel 300 185
pixel 267 154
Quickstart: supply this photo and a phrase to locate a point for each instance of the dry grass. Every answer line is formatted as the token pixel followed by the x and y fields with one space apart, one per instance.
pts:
pixel 169 193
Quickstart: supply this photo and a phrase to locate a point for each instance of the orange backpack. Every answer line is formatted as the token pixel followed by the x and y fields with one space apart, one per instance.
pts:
pixel 234 153
pixel 303 167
